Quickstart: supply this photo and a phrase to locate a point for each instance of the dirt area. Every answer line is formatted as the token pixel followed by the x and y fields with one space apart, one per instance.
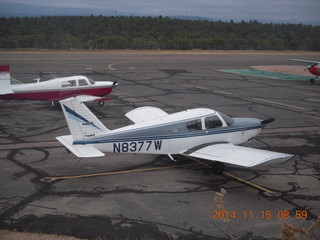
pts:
pixel 289 69
pixel 9 235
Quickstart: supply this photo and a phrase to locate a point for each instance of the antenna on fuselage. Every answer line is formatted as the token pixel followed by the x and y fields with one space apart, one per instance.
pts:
pixel 44 73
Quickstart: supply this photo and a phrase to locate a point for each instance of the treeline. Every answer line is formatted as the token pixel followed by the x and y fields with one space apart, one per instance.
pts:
pixel 67 32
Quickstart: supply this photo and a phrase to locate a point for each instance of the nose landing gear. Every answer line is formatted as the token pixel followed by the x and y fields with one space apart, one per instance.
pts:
pixel 101 103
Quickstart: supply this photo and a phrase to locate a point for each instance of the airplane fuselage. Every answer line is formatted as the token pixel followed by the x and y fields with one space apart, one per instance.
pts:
pixel 315 70
pixel 176 133
pixel 57 89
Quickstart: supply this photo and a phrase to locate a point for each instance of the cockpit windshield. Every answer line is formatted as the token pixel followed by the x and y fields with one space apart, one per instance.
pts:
pixel 229 121
pixel 91 81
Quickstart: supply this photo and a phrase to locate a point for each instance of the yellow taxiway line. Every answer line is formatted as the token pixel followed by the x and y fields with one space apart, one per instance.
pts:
pixel 226 174
pixel 111 68
pixel 223 92
pixel 247 182
pixel 281 104
pixel 51 179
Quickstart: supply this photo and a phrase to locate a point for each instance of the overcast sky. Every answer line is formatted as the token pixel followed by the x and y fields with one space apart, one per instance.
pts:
pixel 287 11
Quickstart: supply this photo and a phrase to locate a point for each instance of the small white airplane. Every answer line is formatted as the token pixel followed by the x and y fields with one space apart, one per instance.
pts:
pixel 55 89
pixel 199 133
pixel 313 68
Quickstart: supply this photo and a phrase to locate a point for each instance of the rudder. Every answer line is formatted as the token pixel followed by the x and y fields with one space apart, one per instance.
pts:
pixel 5 79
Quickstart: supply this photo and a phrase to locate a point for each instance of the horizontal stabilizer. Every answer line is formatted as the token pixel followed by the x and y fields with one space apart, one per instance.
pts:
pixel 144 114
pixel 81 151
pixel 5 91
pixel 237 155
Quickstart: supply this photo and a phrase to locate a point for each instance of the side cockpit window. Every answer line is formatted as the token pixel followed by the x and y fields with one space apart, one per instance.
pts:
pixel 194 125
pixel 70 83
pixel 212 122
pixel 82 82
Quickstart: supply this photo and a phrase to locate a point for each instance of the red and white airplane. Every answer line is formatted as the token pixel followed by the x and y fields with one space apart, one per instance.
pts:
pixel 55 89
pixel 313 68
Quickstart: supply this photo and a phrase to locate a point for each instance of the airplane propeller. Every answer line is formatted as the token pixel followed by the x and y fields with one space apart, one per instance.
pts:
pixel 311 66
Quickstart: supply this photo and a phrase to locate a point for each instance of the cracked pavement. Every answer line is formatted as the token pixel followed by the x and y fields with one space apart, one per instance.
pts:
pixel 175 203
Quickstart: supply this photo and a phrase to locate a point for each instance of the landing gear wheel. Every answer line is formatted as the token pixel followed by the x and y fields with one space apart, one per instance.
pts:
pixel 217 168
pixel 101 103
pixel 312 81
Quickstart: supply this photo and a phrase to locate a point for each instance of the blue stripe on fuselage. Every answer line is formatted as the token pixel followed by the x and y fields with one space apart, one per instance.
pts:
pixel 205 132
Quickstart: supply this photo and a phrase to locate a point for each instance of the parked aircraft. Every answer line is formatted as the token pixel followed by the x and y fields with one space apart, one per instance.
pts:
pixel 55 89
pixel 313 68
pixel 199 133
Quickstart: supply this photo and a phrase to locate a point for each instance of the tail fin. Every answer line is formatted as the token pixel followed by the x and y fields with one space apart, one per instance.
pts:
pixel 83 124
pixel 5 79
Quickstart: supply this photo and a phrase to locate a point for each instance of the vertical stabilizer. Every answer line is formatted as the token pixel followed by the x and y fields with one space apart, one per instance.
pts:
pixel 5 79
pixel 83 124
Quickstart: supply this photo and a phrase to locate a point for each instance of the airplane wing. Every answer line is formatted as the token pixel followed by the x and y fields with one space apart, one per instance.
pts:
pixel 236 155
pixel 144 114
pixel 89 98
pixel 81 151
pixel 306 61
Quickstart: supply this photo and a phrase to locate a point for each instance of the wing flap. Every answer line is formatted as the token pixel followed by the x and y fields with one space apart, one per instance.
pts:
pixel 89 98
pixel 238 155
pixel 81 151
pixel 144 114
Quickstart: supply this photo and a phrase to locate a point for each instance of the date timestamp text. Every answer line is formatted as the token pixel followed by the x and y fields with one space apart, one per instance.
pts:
pixel 281 214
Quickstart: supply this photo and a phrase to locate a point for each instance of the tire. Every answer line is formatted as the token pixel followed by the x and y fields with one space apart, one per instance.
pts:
pixel 217 168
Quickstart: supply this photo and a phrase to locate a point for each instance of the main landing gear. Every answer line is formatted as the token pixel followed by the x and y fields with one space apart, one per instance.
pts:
pixel 101 103
pixel 312 80
pixel 217 168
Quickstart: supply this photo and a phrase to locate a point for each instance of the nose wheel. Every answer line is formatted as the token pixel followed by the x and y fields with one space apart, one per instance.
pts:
pixel 217 168
pixel 101 103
